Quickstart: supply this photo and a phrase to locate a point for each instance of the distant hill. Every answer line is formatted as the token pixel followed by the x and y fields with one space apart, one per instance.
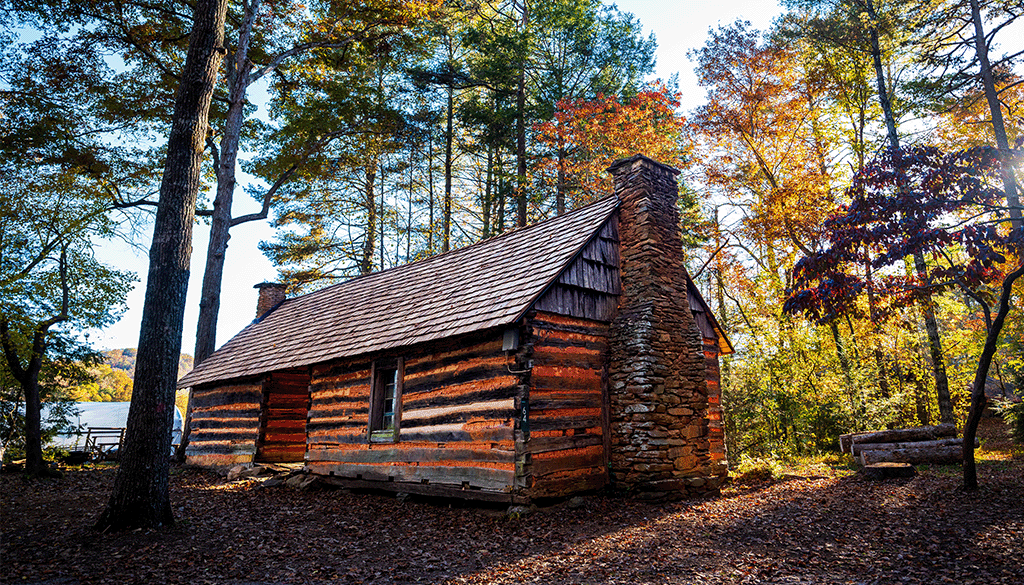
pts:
pixel 124 359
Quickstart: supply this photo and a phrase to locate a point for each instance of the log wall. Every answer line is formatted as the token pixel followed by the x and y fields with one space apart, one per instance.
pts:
pixel 283 420
pixel 716 425
pixel 566 447
pixel 225 424
pixel 459 407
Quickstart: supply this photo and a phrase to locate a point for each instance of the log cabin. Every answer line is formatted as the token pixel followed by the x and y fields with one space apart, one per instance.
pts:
pixel 561 357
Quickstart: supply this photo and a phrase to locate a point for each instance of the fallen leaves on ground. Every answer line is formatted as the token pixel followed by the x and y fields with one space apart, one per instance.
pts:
pixel 830 527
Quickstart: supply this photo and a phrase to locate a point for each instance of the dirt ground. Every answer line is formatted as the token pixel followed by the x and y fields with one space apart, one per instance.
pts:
pixel 818 524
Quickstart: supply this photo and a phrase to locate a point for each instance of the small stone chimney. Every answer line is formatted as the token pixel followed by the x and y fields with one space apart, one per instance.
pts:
pixel 658 391
pixel 271 295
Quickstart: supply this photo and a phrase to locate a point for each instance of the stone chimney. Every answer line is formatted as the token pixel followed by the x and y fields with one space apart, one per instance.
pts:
pixel 271 295
pixel 657 386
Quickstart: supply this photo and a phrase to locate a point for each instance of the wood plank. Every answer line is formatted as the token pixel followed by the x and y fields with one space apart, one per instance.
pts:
pixel 564 461
pixel 545 444
pixel 416 454
pixel 435 490
pixel 565 423
pixel 480 477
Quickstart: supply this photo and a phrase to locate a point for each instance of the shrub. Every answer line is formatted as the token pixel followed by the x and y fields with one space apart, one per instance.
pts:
pixel 1013 414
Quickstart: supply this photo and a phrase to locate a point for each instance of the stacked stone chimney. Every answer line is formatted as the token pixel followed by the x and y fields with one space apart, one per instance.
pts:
pixel 271 295
pixel 657 386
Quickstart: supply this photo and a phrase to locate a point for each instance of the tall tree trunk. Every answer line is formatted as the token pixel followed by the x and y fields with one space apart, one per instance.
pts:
pixel 408 220
pixel 381 215
pixel 521 186
pixel 140 498
pixel 220 221
pixel 486 204
pixel 446 219
pixel 220 225
pixel 998 127
pixel 560 190
pixel 931 325
pixel 844 360
pixel 978 399
pixel 28 378
pixel 430 192
pixel 370 203
pixel 499 226
pixel 882 372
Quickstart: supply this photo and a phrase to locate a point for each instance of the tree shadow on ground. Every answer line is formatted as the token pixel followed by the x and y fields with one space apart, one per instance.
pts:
pixel 804 530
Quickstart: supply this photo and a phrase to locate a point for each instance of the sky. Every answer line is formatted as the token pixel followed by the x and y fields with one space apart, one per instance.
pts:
pixel 678 25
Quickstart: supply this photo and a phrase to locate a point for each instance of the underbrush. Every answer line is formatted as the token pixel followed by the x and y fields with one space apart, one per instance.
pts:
pixel 752 470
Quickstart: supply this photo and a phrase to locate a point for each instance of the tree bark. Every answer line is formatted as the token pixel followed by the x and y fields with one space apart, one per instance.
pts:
pixel 370 203
pixel 931 325
pixel 220 221
pixel 487 193
pixel 560 193
pixel 978 399
pixel 140 498
pixel 915 455
pixel 446 217
pixel 998 127
pixel 28 376
pixel 521 186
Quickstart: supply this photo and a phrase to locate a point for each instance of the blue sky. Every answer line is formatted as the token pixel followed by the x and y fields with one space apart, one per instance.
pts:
pixel 678 26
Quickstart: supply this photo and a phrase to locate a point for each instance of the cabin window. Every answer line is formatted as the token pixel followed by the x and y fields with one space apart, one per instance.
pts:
pixel 385 400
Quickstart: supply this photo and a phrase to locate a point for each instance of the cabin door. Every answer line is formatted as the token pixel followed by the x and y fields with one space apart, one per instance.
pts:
pixel 283 417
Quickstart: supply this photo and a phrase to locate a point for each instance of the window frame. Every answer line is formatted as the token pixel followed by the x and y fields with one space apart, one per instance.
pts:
pixel 374 432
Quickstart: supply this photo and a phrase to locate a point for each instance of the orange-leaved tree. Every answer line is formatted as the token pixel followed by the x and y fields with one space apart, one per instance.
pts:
pixel 596 132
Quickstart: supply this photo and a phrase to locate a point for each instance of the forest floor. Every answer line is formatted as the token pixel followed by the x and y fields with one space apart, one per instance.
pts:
pixel 816 523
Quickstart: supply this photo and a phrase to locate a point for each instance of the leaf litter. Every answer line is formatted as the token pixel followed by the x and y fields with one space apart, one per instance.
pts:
pixel 825 527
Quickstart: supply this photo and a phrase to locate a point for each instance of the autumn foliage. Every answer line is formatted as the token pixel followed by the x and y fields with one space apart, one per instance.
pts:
pixel 949 207
pixel 596 132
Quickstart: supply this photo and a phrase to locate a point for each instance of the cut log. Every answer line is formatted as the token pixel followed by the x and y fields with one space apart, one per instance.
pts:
pixel 947 454
pixel 859 448
pixel 888 470
pixel 905 435
pixel 846 441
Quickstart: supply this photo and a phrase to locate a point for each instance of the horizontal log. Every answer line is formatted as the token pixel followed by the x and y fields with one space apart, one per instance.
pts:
pixel 425 489
pixel 859 448
pixel 900 435
pixel 579 402
pixel 209 421
pixel 545 444
pixel 552 486
pixel 203 459
pixel 566 461
pixel 565 423
pixel 947 454
pixel 457 432
pixel 474 477
pixel 416 454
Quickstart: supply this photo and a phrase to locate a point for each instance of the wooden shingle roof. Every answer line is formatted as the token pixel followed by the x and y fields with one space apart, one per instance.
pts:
pixel 488 284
